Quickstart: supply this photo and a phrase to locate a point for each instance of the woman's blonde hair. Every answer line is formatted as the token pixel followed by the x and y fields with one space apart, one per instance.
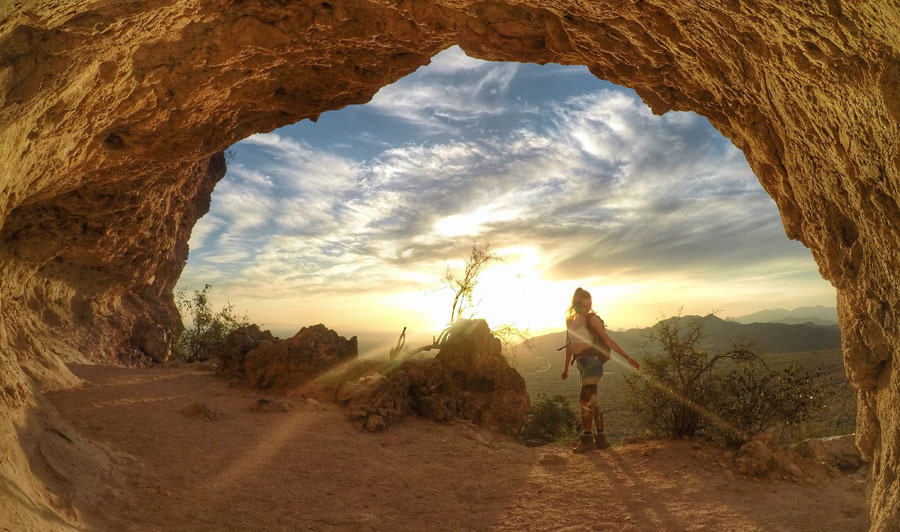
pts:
pixel 577 307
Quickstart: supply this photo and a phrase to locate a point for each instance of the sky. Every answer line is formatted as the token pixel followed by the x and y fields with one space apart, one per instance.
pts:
pixel 571 181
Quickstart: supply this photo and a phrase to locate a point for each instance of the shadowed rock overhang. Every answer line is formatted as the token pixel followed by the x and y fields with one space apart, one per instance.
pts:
pixel 113 116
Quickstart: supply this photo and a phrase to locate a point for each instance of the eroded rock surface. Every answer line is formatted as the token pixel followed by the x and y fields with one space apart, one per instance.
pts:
pixel 111 113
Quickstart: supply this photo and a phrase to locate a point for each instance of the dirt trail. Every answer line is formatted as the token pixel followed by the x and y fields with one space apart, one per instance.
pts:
pixel 311 469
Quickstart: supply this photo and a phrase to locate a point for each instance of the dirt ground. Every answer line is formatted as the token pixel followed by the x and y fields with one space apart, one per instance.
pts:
pixel 311 469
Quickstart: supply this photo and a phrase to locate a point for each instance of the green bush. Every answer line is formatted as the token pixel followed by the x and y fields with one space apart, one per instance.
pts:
pixel 686 390
pixel 208 329
pixel 551 419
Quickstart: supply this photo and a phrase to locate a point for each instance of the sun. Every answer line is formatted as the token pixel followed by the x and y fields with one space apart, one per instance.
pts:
pixel 513 292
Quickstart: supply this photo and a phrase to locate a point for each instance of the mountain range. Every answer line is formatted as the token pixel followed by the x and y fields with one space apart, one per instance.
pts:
pixel 720 335
pixel 817 315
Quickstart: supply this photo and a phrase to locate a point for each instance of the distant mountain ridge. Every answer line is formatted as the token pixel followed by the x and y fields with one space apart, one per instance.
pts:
pixel 720 335
pixel 817 314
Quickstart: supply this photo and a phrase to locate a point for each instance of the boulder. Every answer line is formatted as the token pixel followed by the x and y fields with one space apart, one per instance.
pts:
pixel 764 457
pixel 152 340
pixel 836 451
pixel 238 343
pixel 485 388
pixel 293 364
pixel 757 456
pixel 468 379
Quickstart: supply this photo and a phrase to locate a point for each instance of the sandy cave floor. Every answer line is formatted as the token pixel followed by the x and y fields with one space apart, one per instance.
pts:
pixel 312 469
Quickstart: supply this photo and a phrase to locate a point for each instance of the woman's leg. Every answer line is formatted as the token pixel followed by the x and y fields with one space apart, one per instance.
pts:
pixel 588 405
pixel 588 397
pixel 598 415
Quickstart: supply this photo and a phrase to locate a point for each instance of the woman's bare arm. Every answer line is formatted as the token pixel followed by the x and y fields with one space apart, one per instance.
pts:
pixel 601 329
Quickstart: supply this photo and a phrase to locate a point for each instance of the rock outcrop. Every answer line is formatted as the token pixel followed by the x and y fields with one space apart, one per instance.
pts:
pixel 238 343
pixel 479 380
pixel 290 365
pixel 468 379
pixel 111 116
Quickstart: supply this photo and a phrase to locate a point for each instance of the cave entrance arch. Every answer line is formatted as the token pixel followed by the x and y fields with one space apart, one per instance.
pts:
pixel 115 115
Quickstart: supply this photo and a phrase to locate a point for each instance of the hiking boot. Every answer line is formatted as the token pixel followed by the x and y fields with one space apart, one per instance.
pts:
pixel 587 444
pixel 600 441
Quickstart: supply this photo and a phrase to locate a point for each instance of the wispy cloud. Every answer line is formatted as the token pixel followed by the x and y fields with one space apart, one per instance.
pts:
pixel 453 90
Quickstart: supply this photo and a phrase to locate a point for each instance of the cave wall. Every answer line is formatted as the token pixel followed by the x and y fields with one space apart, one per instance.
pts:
pixel 112 112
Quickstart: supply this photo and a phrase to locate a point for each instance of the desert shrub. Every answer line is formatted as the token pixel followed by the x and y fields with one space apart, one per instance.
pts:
pixel 550 419
pixel 752 399
pixel 208 329
pixel 673 388
pixel 837 415
pixel 687 390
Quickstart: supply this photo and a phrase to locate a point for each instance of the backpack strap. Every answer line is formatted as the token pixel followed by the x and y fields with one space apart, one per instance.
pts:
pixel 590 327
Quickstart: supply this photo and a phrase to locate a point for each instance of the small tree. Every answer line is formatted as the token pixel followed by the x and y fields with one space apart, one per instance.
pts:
pixel 465 285
pixel 671 391
pixel 208 329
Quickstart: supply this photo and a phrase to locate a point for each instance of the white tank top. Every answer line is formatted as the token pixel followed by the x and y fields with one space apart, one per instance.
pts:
pixel 578 331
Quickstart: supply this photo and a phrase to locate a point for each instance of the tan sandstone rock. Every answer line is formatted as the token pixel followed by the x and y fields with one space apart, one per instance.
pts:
pixel 112 117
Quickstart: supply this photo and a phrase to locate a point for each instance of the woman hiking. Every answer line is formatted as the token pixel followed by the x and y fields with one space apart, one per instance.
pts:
pixel 589 344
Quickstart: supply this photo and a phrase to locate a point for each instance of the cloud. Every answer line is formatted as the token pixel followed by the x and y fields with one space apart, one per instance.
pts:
pixel 203 229
pixel 296 167
pixel 243 206
pixel 452 90
pixel 595 182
